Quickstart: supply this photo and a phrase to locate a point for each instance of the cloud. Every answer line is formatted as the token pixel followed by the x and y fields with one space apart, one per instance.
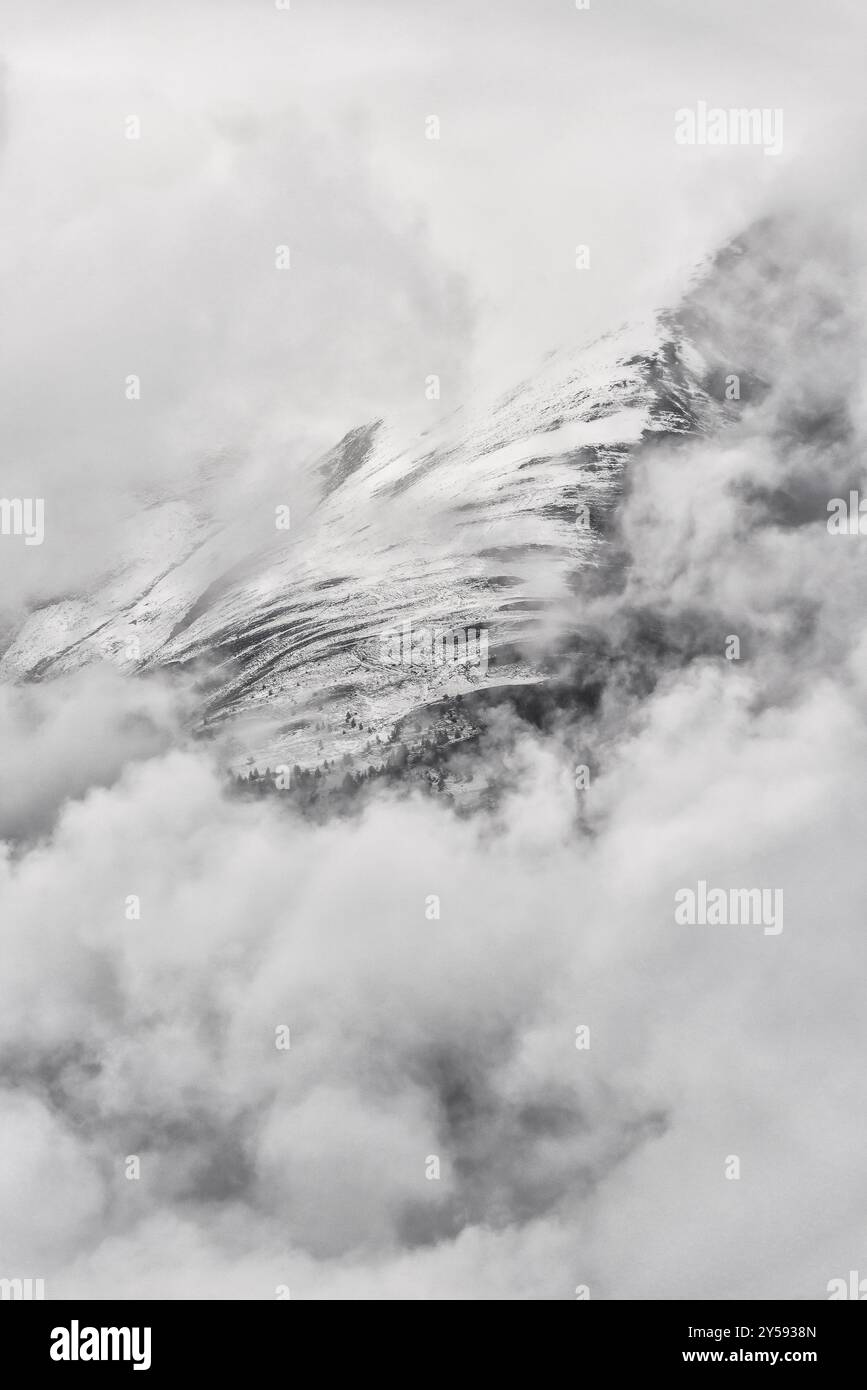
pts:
pixel 58 740
pixel 153 344
pixel 451 1037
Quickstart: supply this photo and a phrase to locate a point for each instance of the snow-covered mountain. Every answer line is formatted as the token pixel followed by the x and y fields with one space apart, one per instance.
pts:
pixel 479 523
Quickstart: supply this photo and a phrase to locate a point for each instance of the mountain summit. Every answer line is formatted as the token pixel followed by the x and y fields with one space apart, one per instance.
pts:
pixel 313 637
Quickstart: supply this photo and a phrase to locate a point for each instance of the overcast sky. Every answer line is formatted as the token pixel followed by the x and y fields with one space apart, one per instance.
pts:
pixel 556 129
pixel 262 127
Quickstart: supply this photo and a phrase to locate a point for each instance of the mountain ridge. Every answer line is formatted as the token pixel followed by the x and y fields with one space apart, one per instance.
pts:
pixel 468 526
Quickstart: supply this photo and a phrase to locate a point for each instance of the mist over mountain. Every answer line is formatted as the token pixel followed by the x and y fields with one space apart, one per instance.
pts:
pixel 402 730
pixel 497 985
pixel 294 618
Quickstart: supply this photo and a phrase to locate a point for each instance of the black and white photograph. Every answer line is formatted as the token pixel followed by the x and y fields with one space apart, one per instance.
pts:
pixel 433 660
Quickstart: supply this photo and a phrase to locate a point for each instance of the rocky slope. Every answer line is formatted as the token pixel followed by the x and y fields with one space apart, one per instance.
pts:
pixel 480 524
